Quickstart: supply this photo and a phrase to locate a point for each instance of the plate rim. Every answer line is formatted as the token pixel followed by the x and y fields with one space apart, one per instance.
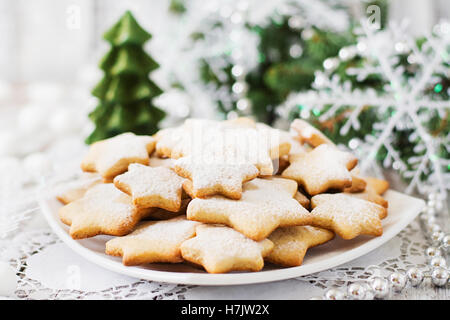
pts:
pixel 208 279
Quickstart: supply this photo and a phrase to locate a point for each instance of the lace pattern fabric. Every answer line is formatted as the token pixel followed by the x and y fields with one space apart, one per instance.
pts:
pixel 403 251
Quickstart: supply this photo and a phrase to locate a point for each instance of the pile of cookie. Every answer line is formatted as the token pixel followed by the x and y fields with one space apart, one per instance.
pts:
pixel 223 195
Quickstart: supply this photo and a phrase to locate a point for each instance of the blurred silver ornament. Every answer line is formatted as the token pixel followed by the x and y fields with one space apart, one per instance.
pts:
pixel 330 63
pixel 354 143
pixel 239 87
pixel 398 281
pixel 436 238
pixel 237 71
pixel 445 243
pixel 439 276
pixel 347 53
pixel 433 228
pixel 307 34
pixel 334 294
pixel 356 291
pixel 319 81
pixel 243 104
pixel 432 196
pixel 380 287
pixel 401 47
pixel 439 205
pixel 438 262
pixel 361 46
pixel 431 203
pixel 232 115
pixel 412 59
pixel 296 22
pixel 430 210
pixel 431 220
pixel 295 51
pixel 432 252
pixel 415 276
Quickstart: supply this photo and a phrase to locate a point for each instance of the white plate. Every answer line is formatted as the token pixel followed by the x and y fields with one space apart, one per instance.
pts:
pixel 402 210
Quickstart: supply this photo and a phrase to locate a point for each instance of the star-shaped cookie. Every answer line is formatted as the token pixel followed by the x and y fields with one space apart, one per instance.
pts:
pixel 380 186
pixel 358 184
pixel 297 148
pixel 235 141
pixel 265 205
pixel 194 135
pixel 346 215
pixel 112 156
pixel 151 187
pixel 291 243
pixel 155 161
pixel 372 191
pixel 76 190
pixel 102 210
pixel 208 178
pixel 307 133
pixel 153 241
pixel 162 214
pixel 221 249
pixel 323 168
pixel 302 199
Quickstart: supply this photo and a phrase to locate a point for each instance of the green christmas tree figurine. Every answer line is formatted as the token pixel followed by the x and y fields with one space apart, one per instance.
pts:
pixel 125 93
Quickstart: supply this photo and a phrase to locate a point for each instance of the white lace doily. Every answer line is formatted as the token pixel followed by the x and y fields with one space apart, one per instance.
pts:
pixel 48 269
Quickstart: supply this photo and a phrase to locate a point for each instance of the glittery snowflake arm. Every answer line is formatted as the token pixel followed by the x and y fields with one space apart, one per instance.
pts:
pixel 409 107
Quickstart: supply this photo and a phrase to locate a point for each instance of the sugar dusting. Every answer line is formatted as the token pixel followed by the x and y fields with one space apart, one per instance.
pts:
pixel 144 181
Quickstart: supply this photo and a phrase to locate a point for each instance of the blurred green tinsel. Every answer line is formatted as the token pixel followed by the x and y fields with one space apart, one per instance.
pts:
pixel 280 70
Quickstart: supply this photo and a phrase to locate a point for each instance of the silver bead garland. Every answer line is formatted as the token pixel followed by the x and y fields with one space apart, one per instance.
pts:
pixel 437 270
pixel 239 87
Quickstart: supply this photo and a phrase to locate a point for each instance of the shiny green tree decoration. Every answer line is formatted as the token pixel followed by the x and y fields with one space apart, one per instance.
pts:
pixel 125 92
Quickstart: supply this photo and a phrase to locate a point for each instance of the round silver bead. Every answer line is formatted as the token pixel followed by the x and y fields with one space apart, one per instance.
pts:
pixel 398 281
pixel 436 237
pixel 432 252
pixel 356 291
pixel 330 63
pixel 430 220
pixel 334 294
pixel 439 205
pixel 439 276
pixel 431 211
pixel 433 228
pixel 423 216
pixel 380 287
pixel 438 262
pixel 296 22
pixel 432 196
pixel 415 276
pixel 445 242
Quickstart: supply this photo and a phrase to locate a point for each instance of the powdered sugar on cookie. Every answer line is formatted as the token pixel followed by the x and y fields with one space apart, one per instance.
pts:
pixel 265 205
pixel 233 142
pixel 153 241
pixel 221 249
pixel 346 215
pixel 151 187
pixel 291 243
pixel 323 168
pixel 102 210
pixel 112 156
pixel 214 177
